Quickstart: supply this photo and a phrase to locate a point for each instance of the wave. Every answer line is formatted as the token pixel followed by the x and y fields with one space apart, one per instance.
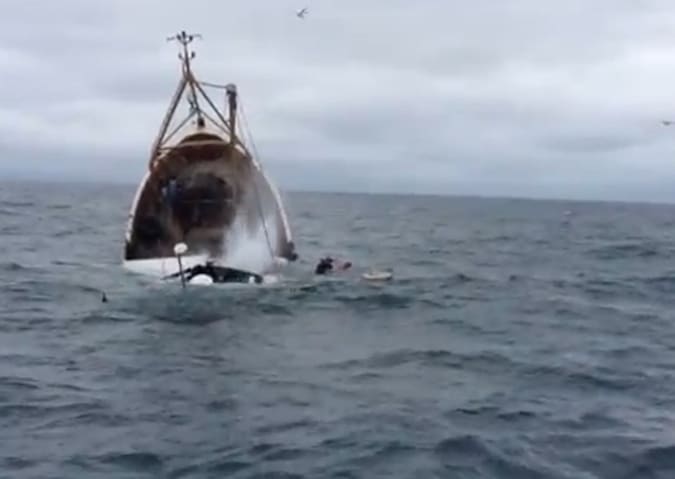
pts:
pixel 17 204
pixel 654 461
pixel 436 358
pixel 16 383
pixel 642 249
pixel 134 460
pixel 467 445
pixel 664 283
pixel 60 206
pixel 592 420
pixel 627 457
pixel 376 300
pixel 12 267
pixel 36 411
pixel 571 378
pixel 472 456
pixel 14 463
pixel 9 212
pixel 140 462
pixel 496 413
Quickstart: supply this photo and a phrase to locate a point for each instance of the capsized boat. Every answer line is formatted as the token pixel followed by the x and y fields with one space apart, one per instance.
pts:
pixel 203 184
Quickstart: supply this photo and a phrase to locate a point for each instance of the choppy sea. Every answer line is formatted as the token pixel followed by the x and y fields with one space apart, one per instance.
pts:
pixel 518 339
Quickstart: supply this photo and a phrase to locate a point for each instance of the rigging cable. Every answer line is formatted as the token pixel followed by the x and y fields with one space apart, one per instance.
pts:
pixel 247 132
pixel 213 85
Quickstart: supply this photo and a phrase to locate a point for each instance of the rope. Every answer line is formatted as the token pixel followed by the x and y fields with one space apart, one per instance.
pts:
pixel 212 85
pixel 247 133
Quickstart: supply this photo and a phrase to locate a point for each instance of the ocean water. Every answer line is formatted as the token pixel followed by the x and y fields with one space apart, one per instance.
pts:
pixel 516 341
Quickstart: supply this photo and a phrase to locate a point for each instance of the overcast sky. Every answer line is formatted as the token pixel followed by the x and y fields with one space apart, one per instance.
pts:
pixel 487 97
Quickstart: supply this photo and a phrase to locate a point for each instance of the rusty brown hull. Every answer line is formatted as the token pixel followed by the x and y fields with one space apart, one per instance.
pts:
pixel 201 179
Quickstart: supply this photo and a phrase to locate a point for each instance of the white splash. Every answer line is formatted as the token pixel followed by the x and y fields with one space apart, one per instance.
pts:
pixel 248 249
pixel 249 244
pixel 251 241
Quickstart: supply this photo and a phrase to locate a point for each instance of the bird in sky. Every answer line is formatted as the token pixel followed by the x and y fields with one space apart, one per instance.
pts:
pixel 667 122
pixel 301 13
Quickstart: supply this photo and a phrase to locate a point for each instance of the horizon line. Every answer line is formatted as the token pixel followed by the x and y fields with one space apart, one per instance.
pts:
pixel 329 191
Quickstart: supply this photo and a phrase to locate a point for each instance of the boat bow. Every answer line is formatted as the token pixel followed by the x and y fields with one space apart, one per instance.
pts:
pixel 203 185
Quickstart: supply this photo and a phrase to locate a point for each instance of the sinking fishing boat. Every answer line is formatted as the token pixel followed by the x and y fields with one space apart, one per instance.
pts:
pixel 202 183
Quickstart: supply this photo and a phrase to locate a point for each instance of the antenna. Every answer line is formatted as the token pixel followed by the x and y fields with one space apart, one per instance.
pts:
pixel 185 39
pixel 186 55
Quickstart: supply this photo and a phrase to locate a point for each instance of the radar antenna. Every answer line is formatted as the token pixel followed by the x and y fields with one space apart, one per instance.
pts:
pixel 186 55
pixel 185 39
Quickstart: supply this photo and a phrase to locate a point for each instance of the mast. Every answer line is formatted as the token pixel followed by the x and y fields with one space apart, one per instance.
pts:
pixel 200 104
pixel 231 91
pixel 186 55
pixel 167 119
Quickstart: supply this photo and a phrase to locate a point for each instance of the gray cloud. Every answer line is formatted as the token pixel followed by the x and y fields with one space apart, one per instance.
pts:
pixel 442 96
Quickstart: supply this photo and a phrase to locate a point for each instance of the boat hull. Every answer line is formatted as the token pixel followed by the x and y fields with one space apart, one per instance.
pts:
pixel 203 187
pixel 194 193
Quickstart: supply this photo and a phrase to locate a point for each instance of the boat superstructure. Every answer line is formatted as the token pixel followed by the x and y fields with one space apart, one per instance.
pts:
pixel 202 179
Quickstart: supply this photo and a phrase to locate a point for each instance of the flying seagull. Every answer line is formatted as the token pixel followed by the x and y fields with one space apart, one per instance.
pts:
pixel 302 13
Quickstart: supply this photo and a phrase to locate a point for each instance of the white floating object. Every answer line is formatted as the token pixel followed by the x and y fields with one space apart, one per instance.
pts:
pixel 378 275
pixel 279 261
pixel 202 279
pixel 270 279
pixel 180 249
